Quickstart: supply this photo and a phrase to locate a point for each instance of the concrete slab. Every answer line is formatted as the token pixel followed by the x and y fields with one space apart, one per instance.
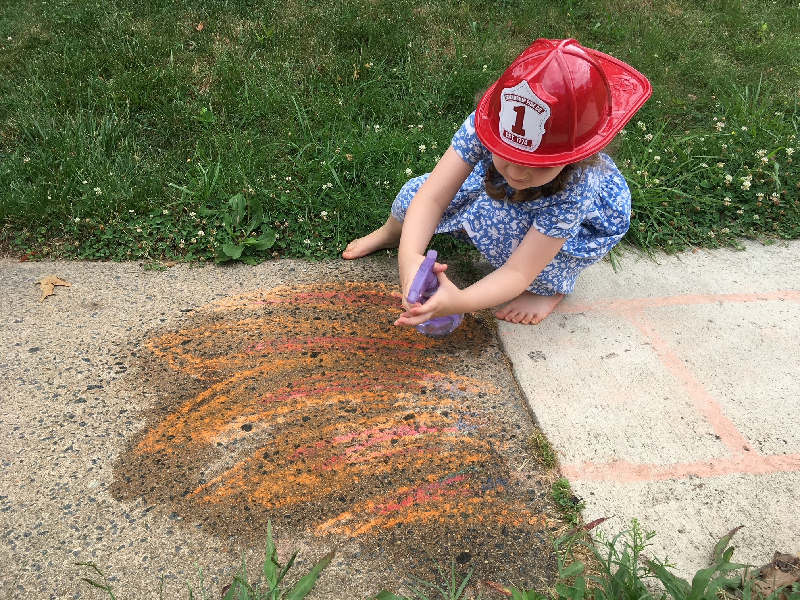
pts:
pixel 152 422
pixel 670 391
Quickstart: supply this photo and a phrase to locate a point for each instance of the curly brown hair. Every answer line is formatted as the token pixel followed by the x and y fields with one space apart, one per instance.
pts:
pixel 497 191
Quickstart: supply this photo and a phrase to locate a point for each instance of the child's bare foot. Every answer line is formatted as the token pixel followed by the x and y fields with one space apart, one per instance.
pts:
pixel 386 236
pixel 528 308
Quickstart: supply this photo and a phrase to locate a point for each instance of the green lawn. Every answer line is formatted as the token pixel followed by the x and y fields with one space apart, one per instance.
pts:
pixel 126 127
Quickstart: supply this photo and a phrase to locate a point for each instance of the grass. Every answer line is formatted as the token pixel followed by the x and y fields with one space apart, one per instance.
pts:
pixel 126 128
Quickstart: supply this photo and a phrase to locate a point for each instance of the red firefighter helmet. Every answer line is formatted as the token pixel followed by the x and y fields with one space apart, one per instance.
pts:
pixel 558 103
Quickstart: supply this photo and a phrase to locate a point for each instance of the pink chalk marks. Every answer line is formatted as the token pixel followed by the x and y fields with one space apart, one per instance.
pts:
pixel 743 457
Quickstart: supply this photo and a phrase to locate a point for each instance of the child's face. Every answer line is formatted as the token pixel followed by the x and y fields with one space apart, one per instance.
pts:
pixel 520 178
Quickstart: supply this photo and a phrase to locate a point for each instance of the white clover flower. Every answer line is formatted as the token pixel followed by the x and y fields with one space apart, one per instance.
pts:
pixel 704 165
pixel 85 182
pixel 711 234
pixel 377 128
pixel 641 125
pixel 433 145
pixel 138 230
pixel 420 126
pixel 307 241
pixel 324 215
pixel 77 219
pixel 746 184
pixel 755 217
pixel 422 148
pixel 288 179
pixel 26 159
pixel 719 125
pixel 98 191
pixel 648 136
pixel 740 212
pixel 728 178
pixel 744 128
pixel 192 214
pixel 724 146
pixel 201 233
pixel 760 153
pixel 775 197
pixel 656 158
pixel 726 201
pixel 725 230
pixel 720 164
pixel 764 159
pixel 623 131
pixel 760 196
pixel 408 171
pixel 165 211
pixel 789 151
pixel 193 240
pixel 485 67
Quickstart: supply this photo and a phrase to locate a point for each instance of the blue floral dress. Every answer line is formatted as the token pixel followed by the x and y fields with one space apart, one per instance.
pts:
pixel 591 213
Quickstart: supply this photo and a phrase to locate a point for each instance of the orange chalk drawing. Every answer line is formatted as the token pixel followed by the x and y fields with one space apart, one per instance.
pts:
pixel 307 402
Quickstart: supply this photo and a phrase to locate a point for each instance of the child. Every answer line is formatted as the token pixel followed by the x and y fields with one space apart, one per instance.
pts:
pixel 524 181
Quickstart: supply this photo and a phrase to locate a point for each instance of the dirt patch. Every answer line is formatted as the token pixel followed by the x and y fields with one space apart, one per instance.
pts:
pixel 304 405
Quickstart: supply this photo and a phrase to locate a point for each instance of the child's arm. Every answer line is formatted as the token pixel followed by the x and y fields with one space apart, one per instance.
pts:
pixel 425 211
pixel 506 283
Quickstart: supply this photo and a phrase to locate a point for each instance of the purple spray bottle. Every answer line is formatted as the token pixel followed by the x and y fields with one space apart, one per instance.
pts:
pixel 423 287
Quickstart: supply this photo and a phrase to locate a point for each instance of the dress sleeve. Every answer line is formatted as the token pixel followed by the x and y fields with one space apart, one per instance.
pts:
pixel 467 145
pixel 561 215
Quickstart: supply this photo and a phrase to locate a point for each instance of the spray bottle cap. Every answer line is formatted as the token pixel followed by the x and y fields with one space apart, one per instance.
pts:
pixel 425 281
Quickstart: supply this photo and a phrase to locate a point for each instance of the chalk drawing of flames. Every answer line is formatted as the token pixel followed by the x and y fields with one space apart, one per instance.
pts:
pixel 314 407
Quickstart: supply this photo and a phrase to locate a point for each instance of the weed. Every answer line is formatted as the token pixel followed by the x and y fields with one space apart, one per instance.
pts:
pixel 570 504
pixel 269 587
pixel 452 587
pixel 248 234
pixel 543 450
pixel 626 572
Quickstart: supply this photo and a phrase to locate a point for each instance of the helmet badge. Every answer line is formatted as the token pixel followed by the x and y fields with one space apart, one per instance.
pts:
pixel 522 117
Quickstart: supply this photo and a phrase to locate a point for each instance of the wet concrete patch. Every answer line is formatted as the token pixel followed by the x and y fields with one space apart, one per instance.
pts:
pixel 92 375
pixel 304 405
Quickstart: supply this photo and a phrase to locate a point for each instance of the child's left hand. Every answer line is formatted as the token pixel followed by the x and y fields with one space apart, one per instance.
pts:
pixel 443 303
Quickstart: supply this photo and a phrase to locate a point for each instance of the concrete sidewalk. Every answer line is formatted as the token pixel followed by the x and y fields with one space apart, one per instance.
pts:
pixel 133 401
pixel 671 391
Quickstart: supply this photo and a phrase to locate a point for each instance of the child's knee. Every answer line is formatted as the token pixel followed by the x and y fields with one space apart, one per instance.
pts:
pixel 405 196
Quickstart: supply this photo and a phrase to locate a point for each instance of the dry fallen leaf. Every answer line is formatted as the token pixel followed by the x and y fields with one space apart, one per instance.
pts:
pixel 49 283
pixel 200 26
pixel 784 570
